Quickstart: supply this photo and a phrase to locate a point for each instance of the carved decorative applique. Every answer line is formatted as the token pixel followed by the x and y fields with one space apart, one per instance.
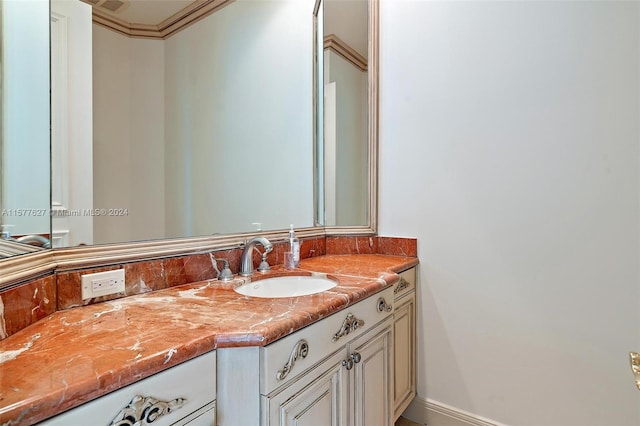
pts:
pixel 144 410
pixel 300 350
pixel 349 324
pixel 401 285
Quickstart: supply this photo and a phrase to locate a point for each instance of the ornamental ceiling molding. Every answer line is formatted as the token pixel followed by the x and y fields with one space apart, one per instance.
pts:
pixel 165 29
pixel 340 47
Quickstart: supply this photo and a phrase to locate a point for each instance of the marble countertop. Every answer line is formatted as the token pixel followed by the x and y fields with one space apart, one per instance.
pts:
pixel 77 355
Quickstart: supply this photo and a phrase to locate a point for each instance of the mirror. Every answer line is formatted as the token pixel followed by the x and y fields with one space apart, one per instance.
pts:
pixel 24 124
pixel 246 177
pixel 346 84
pixel 318 109
pixel 202 129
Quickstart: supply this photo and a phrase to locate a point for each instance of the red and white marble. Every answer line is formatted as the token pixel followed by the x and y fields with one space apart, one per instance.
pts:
pixel 26 304
pixel 76 355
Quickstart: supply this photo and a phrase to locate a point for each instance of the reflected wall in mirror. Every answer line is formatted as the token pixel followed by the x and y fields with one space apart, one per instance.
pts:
pixel 191 132
pixel 24 124
pixel 346 92
pixel 318 110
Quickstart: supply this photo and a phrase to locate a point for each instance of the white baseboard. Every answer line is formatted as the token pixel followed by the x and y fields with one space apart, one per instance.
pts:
pixel 433 413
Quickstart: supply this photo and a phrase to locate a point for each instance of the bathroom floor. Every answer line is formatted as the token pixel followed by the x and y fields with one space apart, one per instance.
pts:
pixel 405 422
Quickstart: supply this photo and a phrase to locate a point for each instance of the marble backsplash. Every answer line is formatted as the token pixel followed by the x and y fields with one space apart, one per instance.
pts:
pixel 29 302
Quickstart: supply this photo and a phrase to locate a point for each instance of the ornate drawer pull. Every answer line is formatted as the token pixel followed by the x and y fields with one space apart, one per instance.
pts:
pixel 383 306
pixel 144 410
pixel 401 286
pixel 300 350
pixel 349 324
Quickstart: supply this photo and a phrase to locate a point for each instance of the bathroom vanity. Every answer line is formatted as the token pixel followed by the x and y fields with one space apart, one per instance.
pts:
pixel 202 354
pixel 337 371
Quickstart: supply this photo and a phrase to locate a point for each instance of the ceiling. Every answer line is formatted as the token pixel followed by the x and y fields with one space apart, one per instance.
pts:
pixel 161 18
pixel 348 19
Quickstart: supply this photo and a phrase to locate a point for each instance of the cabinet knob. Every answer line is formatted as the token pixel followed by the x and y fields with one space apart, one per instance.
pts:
pixel 348 363
pixel 383 306
pixel 356 357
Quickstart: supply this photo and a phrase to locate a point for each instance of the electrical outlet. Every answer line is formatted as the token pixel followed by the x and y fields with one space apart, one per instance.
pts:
pixel 102 284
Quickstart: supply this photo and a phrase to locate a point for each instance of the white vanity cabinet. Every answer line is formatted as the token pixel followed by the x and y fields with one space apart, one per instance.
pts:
pixel 404 326
pixel 337 371
pixel 350 387
pixel 182 395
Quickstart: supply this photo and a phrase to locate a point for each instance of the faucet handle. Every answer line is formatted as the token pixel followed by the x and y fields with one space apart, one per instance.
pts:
pixel 264 265
pixel 225 274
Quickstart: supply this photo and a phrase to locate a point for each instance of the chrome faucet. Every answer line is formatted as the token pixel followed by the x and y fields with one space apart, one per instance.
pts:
pixel 246 262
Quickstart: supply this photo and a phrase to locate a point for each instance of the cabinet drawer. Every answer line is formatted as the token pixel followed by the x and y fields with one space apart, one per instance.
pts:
pixel 286 358
pixel 406 284
pixel 194 381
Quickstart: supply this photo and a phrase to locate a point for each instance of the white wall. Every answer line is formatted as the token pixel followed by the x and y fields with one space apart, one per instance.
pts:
pixel 25 116
pixel 239 120
pixel 510 148
pixel 128 135
pixel 351 161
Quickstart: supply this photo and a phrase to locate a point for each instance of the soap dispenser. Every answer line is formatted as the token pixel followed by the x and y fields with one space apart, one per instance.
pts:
pixel 294 246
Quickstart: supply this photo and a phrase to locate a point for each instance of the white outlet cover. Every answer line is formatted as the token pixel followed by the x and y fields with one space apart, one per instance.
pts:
pixel 112 283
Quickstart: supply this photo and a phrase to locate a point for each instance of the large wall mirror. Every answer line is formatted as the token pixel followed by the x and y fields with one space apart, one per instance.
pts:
pixel 202 129
pixel 346 119
pixel 188 123
pixel 24 126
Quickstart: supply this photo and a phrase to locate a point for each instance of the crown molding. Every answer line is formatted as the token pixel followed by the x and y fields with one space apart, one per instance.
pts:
pixel 165 29
pixel 340 47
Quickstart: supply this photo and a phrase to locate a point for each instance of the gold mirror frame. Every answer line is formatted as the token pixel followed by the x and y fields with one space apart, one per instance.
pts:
pixel 20 268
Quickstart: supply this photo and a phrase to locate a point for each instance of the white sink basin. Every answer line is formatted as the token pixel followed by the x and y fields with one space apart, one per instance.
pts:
pixel 286 286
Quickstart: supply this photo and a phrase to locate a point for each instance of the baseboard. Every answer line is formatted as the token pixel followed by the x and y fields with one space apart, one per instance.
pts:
pixel 432 413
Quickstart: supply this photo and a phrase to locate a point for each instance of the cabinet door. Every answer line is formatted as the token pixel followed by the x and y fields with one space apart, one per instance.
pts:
pixel 318 398
pixel 371 384
pixel 404 335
